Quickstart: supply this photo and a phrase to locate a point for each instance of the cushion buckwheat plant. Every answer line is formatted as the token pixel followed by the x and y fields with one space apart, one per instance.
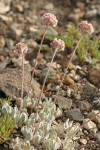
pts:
pixel 39 128
pixel 41 132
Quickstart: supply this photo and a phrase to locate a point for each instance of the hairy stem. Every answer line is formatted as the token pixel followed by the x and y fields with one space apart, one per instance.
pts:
pixel 22 84
pixel 30 84
pixel 73 53
pixel 47 73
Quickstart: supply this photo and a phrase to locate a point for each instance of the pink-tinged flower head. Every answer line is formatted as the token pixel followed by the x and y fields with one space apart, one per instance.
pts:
pixel 58 43
pixel 21 47
pixel 49 19
pixel 85 27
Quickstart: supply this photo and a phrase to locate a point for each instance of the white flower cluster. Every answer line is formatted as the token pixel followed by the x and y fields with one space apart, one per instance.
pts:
pixel 58 43
pixel 21 47
pixel 85 27
pixel 49 19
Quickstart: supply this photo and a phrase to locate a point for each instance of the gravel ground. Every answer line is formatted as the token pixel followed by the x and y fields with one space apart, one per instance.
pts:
pixel 79 97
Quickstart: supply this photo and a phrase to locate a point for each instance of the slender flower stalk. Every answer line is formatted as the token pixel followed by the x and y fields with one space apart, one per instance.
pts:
pixel 86 29
pixel 47 74
pixel 47 19
pixel 22 75
pixel 36 61
pixel 22 49
pixel 56 45
pixel 22 84
pixel 73 53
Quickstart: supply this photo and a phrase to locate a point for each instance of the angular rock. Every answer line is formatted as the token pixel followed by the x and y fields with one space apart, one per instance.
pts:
pixel 10 44
pixel 6 19
pixel 95 100
pixel 69 81
pixel 88 90
pixel 75 114
pixel 84 105
pixel 96 118
pixel 94 76
pixel 2 42
pixel 15 31
pixel 64 63
pixel 63 103
pixel 49 6
pixel 2 58
pixel 4 63
pixel 97 135
pixel 76 15
pixel 19 7
pixel 83 141
pixel 88 124
pixel 80 4
pixel 51 76
pixel 10 83
pixel 4 8
pixel 32 44
pixel 91 13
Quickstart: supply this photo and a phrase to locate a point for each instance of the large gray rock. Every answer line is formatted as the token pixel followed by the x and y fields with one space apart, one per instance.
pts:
pixel 10 83
pixel 63 102
pixel 75 114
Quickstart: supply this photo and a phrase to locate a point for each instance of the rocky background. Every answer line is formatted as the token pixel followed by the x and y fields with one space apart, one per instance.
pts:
pixel 20 20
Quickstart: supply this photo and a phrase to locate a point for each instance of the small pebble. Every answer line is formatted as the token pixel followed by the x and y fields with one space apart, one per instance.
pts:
pixel 83 141
pixel 69 81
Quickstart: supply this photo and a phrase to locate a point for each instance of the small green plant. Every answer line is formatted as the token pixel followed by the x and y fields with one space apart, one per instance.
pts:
pixel 82 49
pixel 71 36
pixel 69 42
pixel 88 47
pixel 7 125
pixel 73 32
pixel 94 48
